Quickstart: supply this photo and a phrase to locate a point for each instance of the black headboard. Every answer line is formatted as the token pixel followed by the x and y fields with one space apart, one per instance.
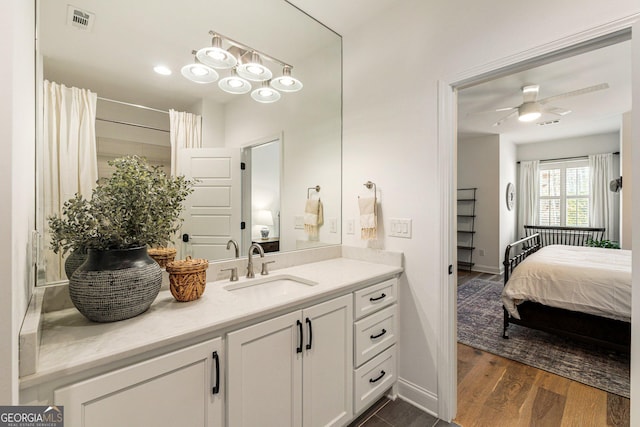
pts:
pixel 572 236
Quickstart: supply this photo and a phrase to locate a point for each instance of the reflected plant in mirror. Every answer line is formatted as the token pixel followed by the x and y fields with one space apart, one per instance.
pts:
pixel 189 128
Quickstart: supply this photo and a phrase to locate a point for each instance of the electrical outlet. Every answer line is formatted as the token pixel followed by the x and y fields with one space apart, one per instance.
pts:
pixel 481 252
pixel 299 222
pixel 333 225
pixel 350 226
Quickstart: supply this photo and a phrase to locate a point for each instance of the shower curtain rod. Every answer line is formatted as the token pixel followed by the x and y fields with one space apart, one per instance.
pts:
pixel 569 158
pixel 132 124
pixel 133 105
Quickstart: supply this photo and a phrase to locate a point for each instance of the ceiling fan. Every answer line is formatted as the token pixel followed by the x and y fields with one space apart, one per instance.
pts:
pixel 532 108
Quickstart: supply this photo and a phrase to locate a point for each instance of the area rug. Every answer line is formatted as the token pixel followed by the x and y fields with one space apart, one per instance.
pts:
pixel 480 326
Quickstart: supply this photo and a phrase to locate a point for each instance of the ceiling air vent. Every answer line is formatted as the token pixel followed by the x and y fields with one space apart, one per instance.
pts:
pixel 79 18
pixel 550 122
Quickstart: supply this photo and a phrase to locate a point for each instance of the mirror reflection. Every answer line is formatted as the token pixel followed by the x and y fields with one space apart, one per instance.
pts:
pixel 254 161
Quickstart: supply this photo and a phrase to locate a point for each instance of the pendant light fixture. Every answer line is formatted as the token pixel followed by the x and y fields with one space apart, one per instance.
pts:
pixel 245 65
pixel 215 56
pixel 234 84
pixel 265 94
pixel 285 82
pixel 254 70
pixel 199 72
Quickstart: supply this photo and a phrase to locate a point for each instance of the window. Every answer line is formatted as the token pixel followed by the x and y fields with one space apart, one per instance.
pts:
pixel 564 194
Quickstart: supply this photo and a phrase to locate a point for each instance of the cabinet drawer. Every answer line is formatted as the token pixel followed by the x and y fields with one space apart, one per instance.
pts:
pixel 373 378
pixel 375 297
pixel 375 333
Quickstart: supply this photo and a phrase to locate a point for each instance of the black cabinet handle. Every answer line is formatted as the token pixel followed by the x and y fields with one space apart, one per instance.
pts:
pixel 375 380
pixel 216 388
pixel 373 337
pixel 377 299
pixel 308 321
pixel 299 348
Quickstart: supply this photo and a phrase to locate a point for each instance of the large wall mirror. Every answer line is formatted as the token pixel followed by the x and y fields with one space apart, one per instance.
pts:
pixel 287 149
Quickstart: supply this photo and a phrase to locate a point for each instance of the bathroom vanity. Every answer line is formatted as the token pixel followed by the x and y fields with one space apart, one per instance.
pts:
pixel 308 345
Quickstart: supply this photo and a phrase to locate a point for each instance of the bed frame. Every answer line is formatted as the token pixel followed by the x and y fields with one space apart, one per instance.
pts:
pixel 609 333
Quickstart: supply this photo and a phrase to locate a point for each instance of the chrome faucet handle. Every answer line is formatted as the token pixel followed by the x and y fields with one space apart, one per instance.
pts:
pixel 234 273
pixel 265 270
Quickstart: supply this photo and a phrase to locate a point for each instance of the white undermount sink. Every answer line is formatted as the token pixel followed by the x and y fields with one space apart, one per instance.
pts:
pixel 277 284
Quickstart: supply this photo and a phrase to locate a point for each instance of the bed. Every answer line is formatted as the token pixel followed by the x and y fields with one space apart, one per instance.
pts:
pixel 567 288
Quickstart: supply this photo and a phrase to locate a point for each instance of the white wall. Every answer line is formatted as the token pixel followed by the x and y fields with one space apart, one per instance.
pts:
pixel 391 130
pixel 626 170
pixel 479 166
pixel 508 218
pixel 17 174
pixel 569 147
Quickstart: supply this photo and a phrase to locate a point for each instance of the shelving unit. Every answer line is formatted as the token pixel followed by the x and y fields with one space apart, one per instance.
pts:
pixel 466 226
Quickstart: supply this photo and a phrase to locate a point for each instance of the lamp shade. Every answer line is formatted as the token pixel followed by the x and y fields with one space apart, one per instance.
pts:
pixel 199 73
pixel 254 70
pixel 234 84
pixel 215 56
pixel 263 217
pixel 529 111
pixel 265 94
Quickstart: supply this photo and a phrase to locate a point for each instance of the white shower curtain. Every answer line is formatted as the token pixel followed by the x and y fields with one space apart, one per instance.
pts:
pixel 70 160
pixel 601 206
pixel 185 132
pixel 527 197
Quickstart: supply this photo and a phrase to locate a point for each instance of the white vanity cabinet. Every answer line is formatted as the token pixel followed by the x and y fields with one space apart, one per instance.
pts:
pixel 294 370
pixel 182 388
pixel 375 336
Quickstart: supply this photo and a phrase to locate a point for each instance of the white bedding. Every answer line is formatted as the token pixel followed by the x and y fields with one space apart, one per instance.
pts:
pixel 590 280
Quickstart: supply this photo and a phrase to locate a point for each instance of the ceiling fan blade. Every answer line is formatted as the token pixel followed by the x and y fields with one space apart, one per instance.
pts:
pixel 558 111
pixel 505 118
pixel 498 110
pixel 582 91
pixel 530 93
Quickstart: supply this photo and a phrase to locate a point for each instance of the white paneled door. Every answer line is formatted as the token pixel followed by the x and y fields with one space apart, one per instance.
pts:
pixel 212 211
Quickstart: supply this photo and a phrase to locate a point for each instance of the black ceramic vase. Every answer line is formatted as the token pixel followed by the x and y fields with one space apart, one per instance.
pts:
pixel 115 284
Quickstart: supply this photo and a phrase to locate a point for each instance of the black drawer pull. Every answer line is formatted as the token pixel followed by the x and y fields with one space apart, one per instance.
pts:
pixel 373 337
pixel 377 299
pixel 375 380
pixel 308 346
pixel 216 388
pixel 299 348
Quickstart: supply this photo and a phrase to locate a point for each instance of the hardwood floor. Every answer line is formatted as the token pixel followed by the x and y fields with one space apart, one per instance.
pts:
pixel 494 391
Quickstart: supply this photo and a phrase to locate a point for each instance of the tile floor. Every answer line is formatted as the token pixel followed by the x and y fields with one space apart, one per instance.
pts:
pixel 397 413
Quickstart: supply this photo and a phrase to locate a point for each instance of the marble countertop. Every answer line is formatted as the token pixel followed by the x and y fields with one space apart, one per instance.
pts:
pixel 71 344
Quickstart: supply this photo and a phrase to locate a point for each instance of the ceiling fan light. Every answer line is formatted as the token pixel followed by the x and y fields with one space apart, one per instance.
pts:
pixel 199 73
pixel 529 111
pixel 286 83
pixel 215 56
pixel 265 94
pixel 254 70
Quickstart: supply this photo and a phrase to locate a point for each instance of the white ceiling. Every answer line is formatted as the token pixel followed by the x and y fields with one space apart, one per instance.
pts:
pixel 592 113
pixel 129 38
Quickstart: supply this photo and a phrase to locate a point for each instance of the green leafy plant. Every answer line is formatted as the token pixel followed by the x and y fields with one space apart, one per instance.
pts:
pixel 138 205
pixel 603 244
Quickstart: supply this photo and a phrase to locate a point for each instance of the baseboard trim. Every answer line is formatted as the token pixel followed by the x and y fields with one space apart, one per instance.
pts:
pixel 487 269
pixel 418 396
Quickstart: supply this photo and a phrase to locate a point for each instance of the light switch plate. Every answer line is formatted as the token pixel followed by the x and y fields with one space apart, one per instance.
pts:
pixel 333 225
pixel 350 226
pixel 400 227
pixel 299 222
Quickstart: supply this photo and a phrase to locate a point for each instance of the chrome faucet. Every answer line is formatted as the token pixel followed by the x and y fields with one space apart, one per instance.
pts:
pixel 235 245
pixel 250 273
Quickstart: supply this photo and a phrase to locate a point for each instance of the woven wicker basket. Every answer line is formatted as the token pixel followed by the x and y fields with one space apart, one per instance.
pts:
pixel 187 278
pixel 163 256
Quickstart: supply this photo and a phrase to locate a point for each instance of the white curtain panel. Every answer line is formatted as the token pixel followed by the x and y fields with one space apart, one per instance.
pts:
pixel 527 196
pixel 70 162
pixel 185 132
pixel 601 206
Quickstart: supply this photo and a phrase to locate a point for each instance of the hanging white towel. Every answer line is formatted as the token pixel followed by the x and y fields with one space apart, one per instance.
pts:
pixel 368 218
pixel 313 217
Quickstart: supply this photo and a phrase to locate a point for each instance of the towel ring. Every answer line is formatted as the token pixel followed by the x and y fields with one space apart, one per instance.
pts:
pixel 317 188
pixel 370 184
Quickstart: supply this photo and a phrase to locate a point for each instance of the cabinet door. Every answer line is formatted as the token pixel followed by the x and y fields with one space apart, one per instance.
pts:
pixel 328 363
pixel 169 390
pixel 265 374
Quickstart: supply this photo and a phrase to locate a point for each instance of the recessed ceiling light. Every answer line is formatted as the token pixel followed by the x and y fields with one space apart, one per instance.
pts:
pixel 161 69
